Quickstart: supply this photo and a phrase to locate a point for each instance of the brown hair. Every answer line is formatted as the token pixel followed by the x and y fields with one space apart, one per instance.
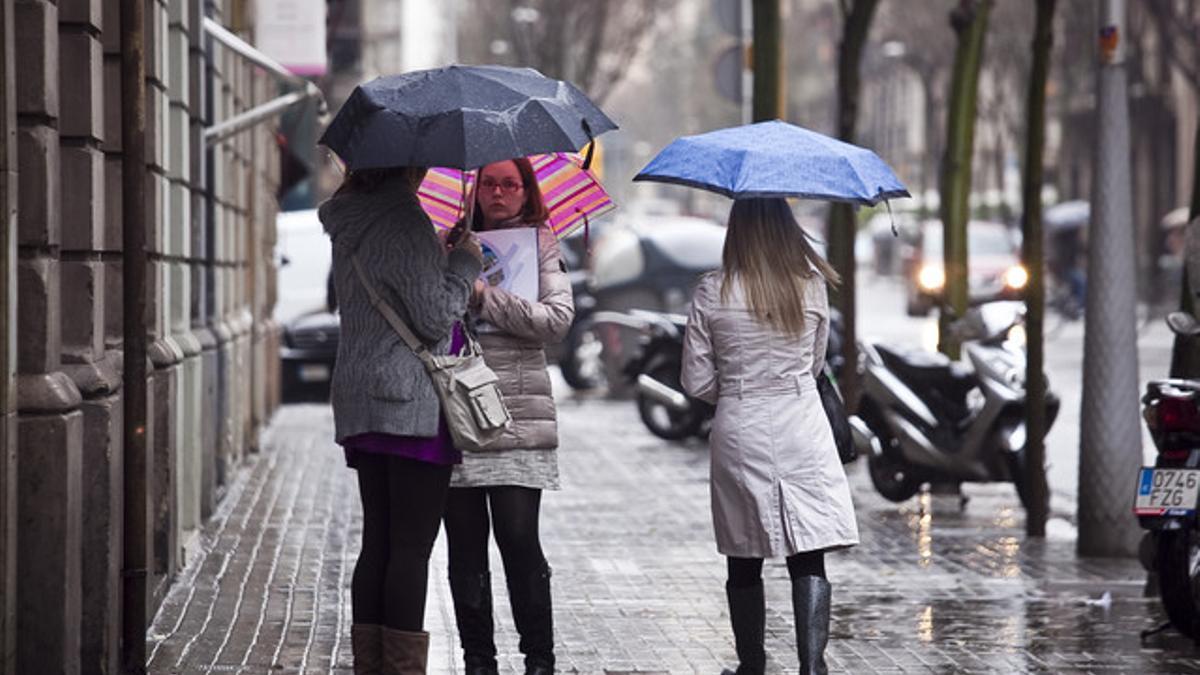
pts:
pixel 366 181
pixel 532 211
pixel 770 254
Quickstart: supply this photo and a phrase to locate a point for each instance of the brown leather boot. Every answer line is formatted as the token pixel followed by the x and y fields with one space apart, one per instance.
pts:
pixel 404 653
pixel 366 641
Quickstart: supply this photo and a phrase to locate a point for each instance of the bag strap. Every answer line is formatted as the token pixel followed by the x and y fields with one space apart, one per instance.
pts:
pixel 391 316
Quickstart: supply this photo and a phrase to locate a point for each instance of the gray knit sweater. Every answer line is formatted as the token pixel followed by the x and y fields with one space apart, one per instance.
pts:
pixel 379 385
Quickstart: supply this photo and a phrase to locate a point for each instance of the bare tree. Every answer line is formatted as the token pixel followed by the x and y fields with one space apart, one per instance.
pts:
pixel 1177 23
pixel 1006 69
pixel 969 20
pixel 1035 493
pixel 590 44
pixel 929 53
pixel 856 26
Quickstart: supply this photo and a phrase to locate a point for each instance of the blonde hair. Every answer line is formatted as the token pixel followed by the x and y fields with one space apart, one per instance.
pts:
pixel 768 252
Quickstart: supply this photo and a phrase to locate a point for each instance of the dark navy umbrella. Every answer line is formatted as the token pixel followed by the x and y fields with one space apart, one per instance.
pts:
pixel 463 117
pixel 775 159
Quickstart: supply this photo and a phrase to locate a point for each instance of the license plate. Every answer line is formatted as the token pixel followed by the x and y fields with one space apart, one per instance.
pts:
pixel 319 372
pixel 1167 492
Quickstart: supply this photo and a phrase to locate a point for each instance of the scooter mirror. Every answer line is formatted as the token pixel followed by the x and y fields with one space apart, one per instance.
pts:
pixel 1183 323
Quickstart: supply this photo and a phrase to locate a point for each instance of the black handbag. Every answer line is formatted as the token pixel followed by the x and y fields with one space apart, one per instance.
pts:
pixel 839 422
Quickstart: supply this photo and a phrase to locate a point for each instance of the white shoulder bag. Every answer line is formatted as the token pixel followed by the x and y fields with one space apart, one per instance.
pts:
pixel 468 389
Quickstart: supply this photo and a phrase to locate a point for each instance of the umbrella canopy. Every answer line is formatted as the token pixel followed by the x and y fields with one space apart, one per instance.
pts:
pixel 462 117
pixel 775 159
pixel 1066 216
pixel 571 192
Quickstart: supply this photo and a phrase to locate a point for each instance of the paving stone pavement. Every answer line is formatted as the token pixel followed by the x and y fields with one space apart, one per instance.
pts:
pixel 637 580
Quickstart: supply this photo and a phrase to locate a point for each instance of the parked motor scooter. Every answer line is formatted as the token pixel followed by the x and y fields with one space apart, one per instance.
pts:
pixel 1168 493
pixel 656 368
pixel 651 265
pixel 924 418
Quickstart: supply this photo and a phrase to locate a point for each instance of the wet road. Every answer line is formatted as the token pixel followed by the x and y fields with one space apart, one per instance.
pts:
pixel 638 583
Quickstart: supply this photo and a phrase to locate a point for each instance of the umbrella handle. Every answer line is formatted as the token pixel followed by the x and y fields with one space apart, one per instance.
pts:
pixel 591 149
pixel 891 217
pixel 587 249
pixel 468 207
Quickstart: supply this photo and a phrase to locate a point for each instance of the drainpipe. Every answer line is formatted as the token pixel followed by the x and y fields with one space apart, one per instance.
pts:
pixel 135 485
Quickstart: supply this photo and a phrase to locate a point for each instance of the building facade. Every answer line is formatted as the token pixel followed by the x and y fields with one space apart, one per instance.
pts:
pixel 212 349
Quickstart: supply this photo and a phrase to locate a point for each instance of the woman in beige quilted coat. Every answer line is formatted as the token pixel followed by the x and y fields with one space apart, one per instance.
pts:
pixel 755 342
pixel 501 488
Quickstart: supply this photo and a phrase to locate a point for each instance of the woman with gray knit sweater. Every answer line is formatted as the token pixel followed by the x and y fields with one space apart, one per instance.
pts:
pixel 500 489
pixel 385 409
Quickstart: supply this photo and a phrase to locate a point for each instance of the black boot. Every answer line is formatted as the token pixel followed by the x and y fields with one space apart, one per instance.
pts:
pixel 472 595
pixel 810 602
pixel 533 614
pixel 748 614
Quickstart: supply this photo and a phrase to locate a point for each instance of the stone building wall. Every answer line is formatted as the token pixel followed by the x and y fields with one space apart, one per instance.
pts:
pixel 210 233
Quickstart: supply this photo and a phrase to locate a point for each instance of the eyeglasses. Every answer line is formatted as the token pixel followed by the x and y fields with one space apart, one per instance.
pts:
pixel 507 187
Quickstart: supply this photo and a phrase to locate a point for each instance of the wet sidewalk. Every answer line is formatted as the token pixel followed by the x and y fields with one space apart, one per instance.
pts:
pixel 637 580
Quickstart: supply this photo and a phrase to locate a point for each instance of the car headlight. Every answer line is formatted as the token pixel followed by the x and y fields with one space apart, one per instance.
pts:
pixel 1016 277
pixel 931 277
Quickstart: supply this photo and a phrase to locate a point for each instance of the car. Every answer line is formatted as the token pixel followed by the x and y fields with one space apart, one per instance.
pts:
pixel 305 307
pixel 994 266
pixel 307 355
pixel 304 257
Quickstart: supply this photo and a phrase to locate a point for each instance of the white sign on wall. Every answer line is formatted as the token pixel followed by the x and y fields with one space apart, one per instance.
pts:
pixel 293 33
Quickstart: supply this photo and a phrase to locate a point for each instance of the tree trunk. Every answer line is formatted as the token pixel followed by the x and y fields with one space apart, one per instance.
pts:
pixel 929 160
pixel 1033 257
pixel 1185 353
pixel 768 61
pixel 970 23
pixel 842 226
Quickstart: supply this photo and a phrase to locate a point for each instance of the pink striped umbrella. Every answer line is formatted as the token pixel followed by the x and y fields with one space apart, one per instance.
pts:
pixel 572 195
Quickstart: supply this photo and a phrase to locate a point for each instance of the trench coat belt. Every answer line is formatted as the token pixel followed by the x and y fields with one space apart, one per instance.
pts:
pixel 743 387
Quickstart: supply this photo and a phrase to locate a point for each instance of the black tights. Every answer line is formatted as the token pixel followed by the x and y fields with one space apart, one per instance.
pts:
pixel 747 572
pixel 514 515
pixel 402 506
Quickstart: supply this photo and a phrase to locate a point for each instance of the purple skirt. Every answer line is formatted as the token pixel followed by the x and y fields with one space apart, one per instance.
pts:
pixel 436 450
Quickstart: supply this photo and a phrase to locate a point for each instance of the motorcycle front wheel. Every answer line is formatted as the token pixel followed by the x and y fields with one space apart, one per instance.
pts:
pixel 891 476
pixel 582 365
pixel 663 421
pixel 1179 579
pixel 892 479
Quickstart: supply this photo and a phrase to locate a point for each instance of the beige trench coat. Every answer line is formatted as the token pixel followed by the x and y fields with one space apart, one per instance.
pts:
pixel 777 484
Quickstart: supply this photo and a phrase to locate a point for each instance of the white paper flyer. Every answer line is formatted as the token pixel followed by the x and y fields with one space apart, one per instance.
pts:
pixel 510 261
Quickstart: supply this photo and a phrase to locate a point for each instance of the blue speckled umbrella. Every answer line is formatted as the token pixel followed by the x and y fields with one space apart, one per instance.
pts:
pixel 775 159
pixel 462 117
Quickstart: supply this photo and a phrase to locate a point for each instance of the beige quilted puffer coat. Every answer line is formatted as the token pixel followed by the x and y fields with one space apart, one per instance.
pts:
pixel 524 455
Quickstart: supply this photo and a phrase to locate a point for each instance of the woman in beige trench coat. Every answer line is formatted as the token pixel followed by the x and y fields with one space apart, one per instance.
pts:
pixel 755 342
